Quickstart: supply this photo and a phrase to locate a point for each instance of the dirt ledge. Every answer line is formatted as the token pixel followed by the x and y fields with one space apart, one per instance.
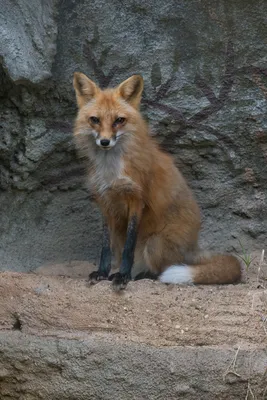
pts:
pixel 60 339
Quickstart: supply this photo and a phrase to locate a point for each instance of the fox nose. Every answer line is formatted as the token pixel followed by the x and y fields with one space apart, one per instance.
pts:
pixel 104 142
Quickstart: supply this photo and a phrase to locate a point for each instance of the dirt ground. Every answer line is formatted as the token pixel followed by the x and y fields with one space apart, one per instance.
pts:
pixel 146 312
pixel 62 339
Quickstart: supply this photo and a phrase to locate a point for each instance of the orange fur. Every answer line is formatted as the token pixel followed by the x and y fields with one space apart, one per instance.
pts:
pixel 134 177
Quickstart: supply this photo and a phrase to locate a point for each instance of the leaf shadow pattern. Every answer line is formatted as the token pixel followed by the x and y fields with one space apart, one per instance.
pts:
pixel 104 79
pixel 216 103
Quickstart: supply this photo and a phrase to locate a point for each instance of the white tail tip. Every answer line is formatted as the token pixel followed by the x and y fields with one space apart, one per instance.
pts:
pixel 177 274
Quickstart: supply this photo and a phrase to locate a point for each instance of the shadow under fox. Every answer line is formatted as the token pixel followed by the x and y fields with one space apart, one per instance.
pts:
pixel 151 218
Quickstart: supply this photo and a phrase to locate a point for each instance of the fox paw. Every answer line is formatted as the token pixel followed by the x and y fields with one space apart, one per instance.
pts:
pixel 119 281
pixel 95 277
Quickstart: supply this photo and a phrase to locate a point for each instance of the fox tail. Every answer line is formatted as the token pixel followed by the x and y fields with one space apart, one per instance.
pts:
pixel 205 270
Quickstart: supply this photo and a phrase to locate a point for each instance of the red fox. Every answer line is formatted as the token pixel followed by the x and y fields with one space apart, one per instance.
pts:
pixel 151 219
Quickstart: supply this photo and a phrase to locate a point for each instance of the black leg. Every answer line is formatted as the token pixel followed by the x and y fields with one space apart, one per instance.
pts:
pixel 105 259
pixel 121 278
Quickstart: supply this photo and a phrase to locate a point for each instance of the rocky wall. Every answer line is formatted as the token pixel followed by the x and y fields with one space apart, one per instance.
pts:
pixel 205 70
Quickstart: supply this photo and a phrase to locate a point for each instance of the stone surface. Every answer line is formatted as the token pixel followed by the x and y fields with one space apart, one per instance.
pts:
pixel 63 340
pixel 34 368
pixel 205 71
pixel 28 33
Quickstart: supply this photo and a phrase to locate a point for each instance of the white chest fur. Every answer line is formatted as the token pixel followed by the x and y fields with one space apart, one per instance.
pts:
pixel 109 168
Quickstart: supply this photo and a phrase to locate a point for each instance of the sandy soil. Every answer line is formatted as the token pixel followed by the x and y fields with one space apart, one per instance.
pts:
pixel 147 312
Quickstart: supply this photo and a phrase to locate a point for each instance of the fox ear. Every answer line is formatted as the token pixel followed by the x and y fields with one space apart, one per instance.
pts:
pixel 85 89
pixel 131 90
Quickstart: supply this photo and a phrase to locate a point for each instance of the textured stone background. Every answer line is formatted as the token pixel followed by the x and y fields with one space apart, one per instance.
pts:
pixel 99 368
pixel 205 69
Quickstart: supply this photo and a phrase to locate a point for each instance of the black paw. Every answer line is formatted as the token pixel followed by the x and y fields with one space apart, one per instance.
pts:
pixel 95 277
pixel 119 281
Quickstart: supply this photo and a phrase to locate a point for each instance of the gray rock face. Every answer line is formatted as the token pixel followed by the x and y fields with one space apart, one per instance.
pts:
pixel 204 65
pixel 105 369
pixel 28 38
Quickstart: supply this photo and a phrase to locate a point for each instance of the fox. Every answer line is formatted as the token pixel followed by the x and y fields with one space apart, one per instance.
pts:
pixel 151 220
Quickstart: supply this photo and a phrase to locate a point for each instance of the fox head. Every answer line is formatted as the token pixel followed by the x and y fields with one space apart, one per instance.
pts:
pixel 107 117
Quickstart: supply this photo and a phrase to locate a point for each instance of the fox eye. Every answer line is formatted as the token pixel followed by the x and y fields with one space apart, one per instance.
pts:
pixel 94 120
pixel 119 121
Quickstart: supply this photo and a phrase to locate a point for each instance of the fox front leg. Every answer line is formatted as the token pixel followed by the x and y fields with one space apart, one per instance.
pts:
pixel 105 259
pixel 121 278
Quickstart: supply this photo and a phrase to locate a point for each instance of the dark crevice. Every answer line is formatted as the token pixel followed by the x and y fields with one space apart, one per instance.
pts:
pixel 17 326
pixel 5 82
